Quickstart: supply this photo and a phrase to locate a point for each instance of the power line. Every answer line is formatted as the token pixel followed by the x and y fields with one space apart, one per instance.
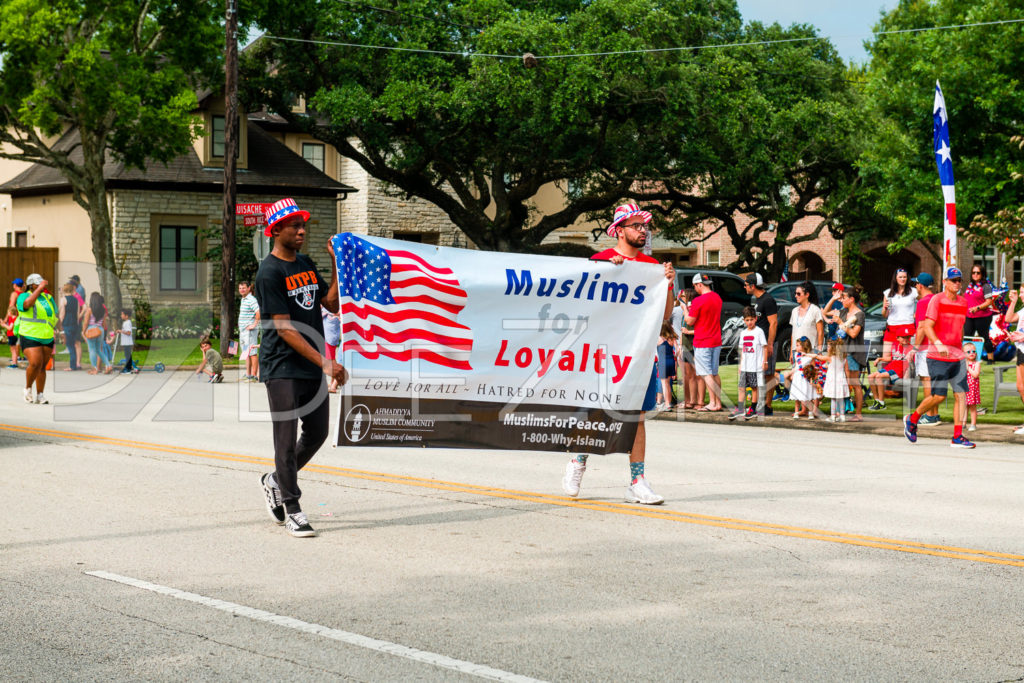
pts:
pixel 568 55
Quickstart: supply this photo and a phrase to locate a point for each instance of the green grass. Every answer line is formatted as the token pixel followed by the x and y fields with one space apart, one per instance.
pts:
pixel 1011 413
pixel 174 352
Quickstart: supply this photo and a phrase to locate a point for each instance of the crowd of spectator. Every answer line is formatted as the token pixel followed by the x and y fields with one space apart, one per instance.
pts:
pixel 828 357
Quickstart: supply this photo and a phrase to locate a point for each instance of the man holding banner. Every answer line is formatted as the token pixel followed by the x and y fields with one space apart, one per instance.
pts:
pixel 290 292
pixel 630 227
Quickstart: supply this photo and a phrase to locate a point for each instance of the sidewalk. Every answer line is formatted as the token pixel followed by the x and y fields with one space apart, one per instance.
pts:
pixel 886 425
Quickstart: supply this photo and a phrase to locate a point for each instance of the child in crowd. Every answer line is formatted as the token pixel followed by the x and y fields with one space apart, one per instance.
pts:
pixel 12 338
pixel 666 365
pixel 127 340
pixel 211 357
pixel 973 384
pixel 836 387
pixel 890 369
pixel 754 355
pixel 801 377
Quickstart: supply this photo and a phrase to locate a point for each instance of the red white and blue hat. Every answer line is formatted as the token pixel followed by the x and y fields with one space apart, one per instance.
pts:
pixel 625 211
pixel 281 210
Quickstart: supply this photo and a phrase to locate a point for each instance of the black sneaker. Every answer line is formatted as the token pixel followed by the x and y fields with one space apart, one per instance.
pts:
pixel 274 505
pixel 298 525
pixel 750 414
pixel 768 412
pixel 877 405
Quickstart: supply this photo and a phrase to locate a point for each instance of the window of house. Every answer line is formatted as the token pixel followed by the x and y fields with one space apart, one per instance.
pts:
pixel 420 237
pixel 986 257
pixel 713 257
pixel 314 154
pixel 20 238
pixel 177 251
pixel 217 137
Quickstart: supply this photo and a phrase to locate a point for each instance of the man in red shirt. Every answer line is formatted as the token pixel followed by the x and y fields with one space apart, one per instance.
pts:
pixel 629 226
pixel 705 318
pixel 943 326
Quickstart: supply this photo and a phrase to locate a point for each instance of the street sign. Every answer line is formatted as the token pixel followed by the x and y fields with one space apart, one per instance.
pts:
pixel 260 245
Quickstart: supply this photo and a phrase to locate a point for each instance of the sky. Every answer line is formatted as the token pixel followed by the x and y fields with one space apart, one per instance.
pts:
pixel 848 23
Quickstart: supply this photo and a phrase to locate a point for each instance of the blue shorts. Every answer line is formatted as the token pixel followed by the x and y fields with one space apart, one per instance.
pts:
pixel 853 364
pixel 946 373
pixel 705 360
pixel 651 397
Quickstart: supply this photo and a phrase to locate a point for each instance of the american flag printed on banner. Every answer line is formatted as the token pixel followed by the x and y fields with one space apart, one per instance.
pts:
pixel 944 161
pixel 396 304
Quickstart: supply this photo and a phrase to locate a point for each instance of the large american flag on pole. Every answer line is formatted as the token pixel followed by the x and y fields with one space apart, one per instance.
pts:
pixel 396 304
pixel 944 161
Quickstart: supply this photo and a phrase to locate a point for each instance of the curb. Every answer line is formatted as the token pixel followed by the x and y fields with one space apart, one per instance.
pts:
pixel 873 424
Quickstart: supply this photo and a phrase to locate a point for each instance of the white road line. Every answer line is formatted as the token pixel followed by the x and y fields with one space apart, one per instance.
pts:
pixel 384 646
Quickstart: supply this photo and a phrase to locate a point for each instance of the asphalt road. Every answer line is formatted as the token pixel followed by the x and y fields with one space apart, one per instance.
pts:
pixel 140 549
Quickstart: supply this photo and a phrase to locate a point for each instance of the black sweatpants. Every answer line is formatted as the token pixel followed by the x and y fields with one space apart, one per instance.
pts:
pixel 292 400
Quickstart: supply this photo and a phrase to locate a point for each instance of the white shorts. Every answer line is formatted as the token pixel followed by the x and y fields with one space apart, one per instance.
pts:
pixel 921 364
pixel 248 343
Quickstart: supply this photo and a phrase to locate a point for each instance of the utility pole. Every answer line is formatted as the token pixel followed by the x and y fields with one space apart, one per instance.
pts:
pixel 227 277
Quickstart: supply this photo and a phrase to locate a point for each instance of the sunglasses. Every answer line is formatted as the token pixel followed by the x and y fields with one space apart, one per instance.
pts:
pixel 956 279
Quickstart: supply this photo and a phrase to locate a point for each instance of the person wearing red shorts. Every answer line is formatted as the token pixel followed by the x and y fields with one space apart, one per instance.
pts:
pixel 899 303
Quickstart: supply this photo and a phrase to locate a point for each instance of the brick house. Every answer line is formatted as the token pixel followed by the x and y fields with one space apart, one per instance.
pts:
pixel 165 216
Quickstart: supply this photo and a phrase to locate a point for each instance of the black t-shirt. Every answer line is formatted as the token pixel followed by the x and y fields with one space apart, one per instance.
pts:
pixel 765 306
pixel 70 310
pixel 295 289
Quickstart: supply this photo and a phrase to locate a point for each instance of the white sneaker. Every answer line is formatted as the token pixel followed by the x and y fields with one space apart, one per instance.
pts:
pixel 1019 430
pixel 298 526
pixel 41 399
pixel 28 395
pixel 641 492
pixel 573 476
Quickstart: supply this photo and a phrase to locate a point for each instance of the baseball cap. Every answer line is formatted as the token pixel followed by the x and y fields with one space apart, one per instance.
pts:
pixel 33 279
pixel 951 273
pixel 838 287
pixel 701 279
pixel 17 281
pixel 755 279
pixel 925 279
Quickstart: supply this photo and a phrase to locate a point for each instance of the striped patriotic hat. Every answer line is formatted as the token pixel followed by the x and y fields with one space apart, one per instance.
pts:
pixel 625 211
pixel 279 211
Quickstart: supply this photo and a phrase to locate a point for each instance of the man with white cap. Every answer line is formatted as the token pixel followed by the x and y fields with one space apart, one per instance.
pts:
pixel 629 226
pixel 705 318
pixel 290 292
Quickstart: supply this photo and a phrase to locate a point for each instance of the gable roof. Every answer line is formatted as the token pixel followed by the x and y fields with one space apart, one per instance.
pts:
pixel 272 169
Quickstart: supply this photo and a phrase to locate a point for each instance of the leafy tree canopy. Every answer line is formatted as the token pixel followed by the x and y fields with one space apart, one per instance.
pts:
pixel 119 74
pixel 705 131
pixel 980 71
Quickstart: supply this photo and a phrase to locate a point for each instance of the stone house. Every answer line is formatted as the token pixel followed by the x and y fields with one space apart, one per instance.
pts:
pixel 165 217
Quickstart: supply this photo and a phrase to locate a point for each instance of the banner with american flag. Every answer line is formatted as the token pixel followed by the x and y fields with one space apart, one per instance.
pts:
pixel 461 348
pixel 944 161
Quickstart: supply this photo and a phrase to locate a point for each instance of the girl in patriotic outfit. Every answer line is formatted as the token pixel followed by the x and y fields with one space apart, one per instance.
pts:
pixel 899 304
pixel 973 384
pixel 836 387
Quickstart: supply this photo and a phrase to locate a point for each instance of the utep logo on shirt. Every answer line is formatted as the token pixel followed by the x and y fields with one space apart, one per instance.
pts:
pixel 303 288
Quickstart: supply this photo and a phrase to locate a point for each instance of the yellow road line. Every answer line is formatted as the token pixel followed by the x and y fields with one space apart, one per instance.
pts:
pixel 862 540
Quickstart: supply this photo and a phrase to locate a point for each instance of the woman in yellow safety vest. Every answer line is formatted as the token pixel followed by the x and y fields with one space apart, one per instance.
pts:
pixel 37 317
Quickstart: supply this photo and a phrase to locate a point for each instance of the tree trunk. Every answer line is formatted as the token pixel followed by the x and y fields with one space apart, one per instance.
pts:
pixel 103 248
pixel 92 196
